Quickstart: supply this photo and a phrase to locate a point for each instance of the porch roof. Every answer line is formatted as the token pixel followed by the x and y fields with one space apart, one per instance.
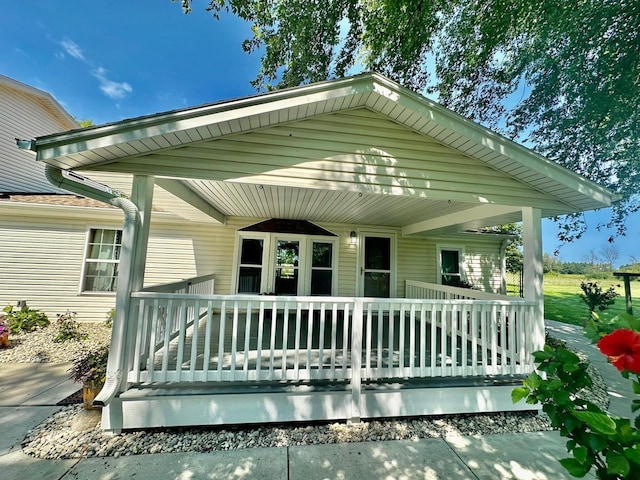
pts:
pixel 354 150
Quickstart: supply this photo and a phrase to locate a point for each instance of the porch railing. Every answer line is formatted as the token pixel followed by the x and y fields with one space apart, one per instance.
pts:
pixel 416 289
pixel 254 338
pixel 175 316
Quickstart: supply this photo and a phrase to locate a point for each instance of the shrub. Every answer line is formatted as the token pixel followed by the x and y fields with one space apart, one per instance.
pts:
pixel 595 297
pixel 110 315
pixel 68 328
pixel 90 366
pixel 26 319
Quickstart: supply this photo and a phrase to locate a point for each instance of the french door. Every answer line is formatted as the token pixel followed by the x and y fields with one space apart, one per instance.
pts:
pixel 286 264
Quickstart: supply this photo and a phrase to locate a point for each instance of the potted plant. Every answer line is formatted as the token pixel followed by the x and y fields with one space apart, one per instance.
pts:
pixel 4 333
pixel 89 367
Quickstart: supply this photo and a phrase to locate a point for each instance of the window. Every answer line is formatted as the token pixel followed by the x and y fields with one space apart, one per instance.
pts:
pixel 322 268
pixel 101 260
pixel 451 266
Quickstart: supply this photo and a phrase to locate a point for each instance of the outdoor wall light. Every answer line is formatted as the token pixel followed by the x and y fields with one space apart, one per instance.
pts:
pixel 353 237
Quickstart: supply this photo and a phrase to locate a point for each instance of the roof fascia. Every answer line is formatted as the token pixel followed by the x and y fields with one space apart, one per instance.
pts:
pixel 66 143
pixel 492 140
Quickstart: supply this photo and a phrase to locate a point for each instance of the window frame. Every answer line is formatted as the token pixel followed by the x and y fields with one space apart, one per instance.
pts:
pixel 462 261
pixel 86 261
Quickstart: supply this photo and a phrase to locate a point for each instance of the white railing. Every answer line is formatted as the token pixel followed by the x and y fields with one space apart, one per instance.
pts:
pixel 245 338
pixel 175 315
pixel 445 292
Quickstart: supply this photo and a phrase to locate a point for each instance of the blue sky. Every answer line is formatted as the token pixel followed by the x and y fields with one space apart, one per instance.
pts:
pixel 106 61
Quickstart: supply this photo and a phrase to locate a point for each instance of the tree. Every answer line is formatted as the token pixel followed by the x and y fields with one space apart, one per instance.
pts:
pixel 609 254
pixel 562 76
pixel 550 263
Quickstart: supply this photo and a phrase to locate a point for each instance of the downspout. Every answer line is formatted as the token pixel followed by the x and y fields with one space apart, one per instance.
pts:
pixel 131 218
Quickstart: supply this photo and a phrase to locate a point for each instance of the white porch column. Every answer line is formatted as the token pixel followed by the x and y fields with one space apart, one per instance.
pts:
pixel 533 272
pixel 135 236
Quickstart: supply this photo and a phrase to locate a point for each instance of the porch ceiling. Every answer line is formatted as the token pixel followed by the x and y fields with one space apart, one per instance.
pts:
pixel 358 150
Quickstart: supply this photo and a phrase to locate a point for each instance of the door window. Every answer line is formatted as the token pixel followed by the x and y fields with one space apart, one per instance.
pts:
pixel 377 267
pixel 321 268
pixel 250 270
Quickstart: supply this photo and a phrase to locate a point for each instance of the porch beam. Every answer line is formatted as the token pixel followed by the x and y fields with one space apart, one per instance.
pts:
pixel 180 190
pixel 480 216
pixel 533 271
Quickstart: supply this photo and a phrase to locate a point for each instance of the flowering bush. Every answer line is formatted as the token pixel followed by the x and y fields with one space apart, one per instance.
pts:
pixel 90 366
pixel 4 328
pixel 68 328
pixel 610 445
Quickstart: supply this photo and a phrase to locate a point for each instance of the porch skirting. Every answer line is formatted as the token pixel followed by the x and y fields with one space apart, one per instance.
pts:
pixel 184 406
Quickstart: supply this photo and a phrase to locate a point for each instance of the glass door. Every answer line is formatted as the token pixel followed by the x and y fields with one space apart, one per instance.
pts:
pixel 287 267
pixel 376 267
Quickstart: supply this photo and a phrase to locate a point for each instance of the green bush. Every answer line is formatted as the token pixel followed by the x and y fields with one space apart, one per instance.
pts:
pixel 596 298
pixel 26 319
pixel 110 315
pixel 68 328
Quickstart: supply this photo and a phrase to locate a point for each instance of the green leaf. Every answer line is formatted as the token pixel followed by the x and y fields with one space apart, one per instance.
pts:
pixel 635 405
pixel 580 454
pixel 617 464
pixel 519 393
pixel 597 421
pixel 597 443
pixel 541 356
pixel 574 467
pixel 636 387
pixel 632 454
pixel 533 380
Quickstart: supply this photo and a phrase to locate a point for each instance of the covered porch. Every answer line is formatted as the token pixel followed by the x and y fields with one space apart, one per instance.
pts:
pixel 359 155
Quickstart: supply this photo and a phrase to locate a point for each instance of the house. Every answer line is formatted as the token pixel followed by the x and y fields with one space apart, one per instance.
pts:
pixel 340 218
pixel 47 235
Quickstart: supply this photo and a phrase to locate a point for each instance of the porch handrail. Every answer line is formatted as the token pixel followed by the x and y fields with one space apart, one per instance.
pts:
pixel 425 290
pixel 203 284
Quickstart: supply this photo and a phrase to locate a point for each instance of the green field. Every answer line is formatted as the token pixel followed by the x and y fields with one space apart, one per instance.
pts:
pixel 562 303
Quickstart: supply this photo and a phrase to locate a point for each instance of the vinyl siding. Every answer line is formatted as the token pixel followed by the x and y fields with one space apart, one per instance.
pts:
pixel 24 116
pixel 41 257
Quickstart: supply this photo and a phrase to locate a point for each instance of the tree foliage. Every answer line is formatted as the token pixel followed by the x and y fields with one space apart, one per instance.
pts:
pixel 563 76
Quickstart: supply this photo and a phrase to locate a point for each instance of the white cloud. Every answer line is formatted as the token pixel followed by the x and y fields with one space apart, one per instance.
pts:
pixel 114 90
pixel 73 49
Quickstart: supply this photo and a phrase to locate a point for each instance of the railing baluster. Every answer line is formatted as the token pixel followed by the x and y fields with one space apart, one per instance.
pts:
pixel 272 343
pixel 321 339
pixel 247 341
pixel 309 337
pixel 334 333
pixel 221 334
pixel 194 343
pixel 167 338
pixel 234 341
pixel 259 346
pixel 182 308
pixel 285 338
pixel 207 340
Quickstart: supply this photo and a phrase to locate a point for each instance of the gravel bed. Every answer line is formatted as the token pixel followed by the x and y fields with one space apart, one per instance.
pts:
pixel 38 346
pixel 75 433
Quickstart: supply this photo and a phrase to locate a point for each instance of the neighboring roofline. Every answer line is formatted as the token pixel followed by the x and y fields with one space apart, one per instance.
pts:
pixel 43 96
pixel 166 122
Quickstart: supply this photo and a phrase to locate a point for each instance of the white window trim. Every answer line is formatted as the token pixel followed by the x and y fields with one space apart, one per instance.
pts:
pixel 462 260
pixel 268 259
pixel 83 272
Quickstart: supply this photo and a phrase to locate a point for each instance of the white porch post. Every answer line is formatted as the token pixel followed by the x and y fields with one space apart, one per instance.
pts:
pixel 135 236
pixel 533 272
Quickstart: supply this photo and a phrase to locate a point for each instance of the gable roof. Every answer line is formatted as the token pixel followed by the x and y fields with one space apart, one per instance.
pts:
pixel 359 136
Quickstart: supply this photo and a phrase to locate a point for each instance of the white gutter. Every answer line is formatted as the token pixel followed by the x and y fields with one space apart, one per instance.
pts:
pixel 115 365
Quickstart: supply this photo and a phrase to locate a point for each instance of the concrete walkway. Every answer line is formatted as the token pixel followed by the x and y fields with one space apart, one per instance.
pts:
pixel 29 392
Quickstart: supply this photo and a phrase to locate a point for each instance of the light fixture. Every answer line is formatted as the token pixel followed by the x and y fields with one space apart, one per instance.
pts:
pixel 353 237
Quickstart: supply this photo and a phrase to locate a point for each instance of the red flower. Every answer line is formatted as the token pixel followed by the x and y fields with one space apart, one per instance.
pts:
pixel 622 348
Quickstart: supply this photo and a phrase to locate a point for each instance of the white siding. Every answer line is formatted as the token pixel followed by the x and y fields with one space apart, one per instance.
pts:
pixel 24 116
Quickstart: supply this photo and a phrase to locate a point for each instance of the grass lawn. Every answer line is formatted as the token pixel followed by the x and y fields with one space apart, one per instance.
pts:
pixel 562 303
